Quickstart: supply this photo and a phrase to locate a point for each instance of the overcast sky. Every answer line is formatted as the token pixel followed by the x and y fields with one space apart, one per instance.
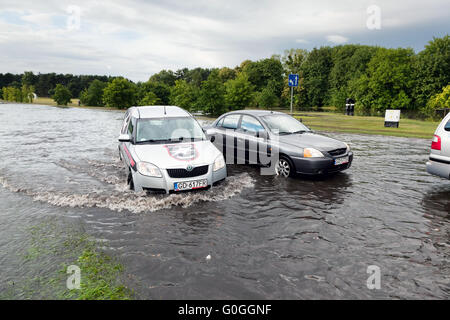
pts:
pixel 138 38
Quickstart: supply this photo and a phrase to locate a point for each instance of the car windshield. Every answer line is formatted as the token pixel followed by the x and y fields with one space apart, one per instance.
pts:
pixel 159 130
pixel 284 124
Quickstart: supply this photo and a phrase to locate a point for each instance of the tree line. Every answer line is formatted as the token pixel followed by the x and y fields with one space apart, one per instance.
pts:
pixel 377 78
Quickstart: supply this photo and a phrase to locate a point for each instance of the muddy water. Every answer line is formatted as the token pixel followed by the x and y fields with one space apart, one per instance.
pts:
pixel 266 237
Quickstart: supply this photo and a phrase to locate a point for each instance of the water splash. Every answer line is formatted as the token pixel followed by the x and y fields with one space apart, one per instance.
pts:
pixel 123 199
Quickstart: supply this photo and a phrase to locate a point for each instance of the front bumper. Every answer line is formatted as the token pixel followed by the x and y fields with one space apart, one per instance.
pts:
pixel 438 169
pixel 165 184
pixel 319 166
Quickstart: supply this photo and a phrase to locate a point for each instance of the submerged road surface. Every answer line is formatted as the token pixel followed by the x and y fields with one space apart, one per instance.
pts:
pixel 264 236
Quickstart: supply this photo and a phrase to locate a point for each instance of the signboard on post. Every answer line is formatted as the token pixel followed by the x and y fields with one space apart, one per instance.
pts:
pixel 392 118
pixel 293 82
pixel 349 107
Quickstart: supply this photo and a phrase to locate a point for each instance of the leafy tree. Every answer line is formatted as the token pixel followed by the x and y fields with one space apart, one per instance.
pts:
pixel 62 95
pixel 316 70
pixel 261 72
pixel 160 89
pixel 93 96
pixel 12 94
pixel 349 62
pixel 27 93
pixel 226 74
pixel 183 94
pixel 166 77
pixel 292 61
pixel 432 70
pixel 238 92
pixel 120 93
pixel 149 99
pixel 195 76
pixel 389 80
pixel 267 99
pixel 28 78
pixel 438 101
pixel 212 95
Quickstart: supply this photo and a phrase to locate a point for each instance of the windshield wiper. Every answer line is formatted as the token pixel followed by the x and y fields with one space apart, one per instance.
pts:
pixel 189 138
pixel 300 131
pixel 153 141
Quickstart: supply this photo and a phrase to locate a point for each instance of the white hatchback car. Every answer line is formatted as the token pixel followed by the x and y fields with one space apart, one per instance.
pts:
pixel 439 163
pixel 165 149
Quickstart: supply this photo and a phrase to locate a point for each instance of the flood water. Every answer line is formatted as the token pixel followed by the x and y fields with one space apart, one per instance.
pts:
pixel 267 237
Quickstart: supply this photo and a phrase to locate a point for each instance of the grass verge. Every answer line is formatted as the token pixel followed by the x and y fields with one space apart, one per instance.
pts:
pixel 334 122
pixel 51 249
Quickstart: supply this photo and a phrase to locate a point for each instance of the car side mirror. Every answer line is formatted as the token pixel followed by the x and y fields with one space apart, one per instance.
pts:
pixel 210 133
pixel 124 138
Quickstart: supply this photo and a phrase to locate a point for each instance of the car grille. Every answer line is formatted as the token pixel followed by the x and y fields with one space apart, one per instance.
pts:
pixel 183 173
pixel 337 152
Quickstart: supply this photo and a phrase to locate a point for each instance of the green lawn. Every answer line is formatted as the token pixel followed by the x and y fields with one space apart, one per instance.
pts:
pixel 74 103
pixel 334 122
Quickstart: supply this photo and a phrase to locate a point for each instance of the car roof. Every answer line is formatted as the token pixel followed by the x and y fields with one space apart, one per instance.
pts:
pixel 159 112
pixel 256 113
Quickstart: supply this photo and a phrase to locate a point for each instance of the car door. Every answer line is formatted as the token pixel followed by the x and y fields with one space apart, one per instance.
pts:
pixel 225 137
pixel 126 146
pixel 250 140
pixel 123 130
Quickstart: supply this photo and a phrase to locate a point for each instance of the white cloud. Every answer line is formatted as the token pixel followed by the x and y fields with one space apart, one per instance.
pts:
pixel 138 38
pixel 337 39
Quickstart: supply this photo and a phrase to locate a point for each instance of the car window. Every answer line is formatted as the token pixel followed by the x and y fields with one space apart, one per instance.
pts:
pixel 447 126
pixel 125 123
pixel 231 121
pixel 251 124
pixel 219 123
pixel 130 128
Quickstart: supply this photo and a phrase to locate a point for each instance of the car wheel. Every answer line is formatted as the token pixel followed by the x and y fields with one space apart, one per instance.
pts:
pixel 284 167
pixel 130 180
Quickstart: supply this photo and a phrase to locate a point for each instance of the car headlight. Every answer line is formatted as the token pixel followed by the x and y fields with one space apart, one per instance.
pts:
pixel 348 147
pixel 312 153
pixel 219 163
pixel 148 169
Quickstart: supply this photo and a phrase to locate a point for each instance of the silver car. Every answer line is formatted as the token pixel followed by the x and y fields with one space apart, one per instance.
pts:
pixel 246 136
pixel 439 163
pixel 165 149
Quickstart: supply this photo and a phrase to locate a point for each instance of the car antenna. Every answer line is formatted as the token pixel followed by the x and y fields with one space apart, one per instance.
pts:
pixel 165 110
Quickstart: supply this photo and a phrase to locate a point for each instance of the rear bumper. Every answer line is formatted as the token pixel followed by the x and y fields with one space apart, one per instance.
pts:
pixel 319 166
pixel 438 169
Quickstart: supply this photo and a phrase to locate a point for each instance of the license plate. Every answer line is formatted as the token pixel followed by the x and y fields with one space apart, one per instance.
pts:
pixel 342 160
pixel 189 185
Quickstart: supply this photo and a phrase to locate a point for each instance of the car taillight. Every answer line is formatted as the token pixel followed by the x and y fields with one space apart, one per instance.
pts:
pixel 436 143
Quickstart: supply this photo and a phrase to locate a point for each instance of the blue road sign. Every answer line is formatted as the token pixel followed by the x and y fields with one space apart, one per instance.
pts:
pixel 293 80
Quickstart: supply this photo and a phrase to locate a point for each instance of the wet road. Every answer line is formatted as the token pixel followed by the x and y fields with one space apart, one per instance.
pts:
pixel 267 237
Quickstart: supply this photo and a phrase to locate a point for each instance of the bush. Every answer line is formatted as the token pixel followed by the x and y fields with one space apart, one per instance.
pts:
pixel 438 101
pixel 62 95
pixel 93 96
pixel 120 93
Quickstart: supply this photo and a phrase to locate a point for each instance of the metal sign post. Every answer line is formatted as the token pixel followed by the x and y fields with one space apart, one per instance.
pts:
pixel 293 82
